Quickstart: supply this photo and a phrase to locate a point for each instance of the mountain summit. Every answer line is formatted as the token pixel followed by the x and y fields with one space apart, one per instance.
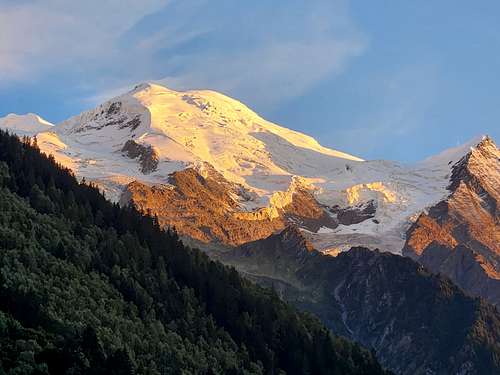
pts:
pixel 225 177
pixel 202 128
pixel 460 235
pixel 257 177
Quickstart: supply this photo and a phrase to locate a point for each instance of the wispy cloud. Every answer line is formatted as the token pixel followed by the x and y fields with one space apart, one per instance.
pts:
pixel 268 74
pixel 260 52
pixel 39 37
pixel 400 103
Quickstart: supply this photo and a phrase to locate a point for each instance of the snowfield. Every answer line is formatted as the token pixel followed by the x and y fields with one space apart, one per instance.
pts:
pixel 219 135
pixel 24 125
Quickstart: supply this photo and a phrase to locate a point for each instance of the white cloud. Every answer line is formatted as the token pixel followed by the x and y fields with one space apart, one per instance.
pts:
pixel 270 73
pixel 267 55
pixel 260 52
pixel 401 101
pixel 45 35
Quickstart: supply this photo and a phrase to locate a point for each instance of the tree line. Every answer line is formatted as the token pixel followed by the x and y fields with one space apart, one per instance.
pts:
pixel 89 287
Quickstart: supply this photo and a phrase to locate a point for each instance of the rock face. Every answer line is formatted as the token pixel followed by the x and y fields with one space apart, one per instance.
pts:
pixel 355 214
pixel 460 236
pixel 111 115
pixel 208 210
pixel 279 256
pixel 148 157
pixel 417 322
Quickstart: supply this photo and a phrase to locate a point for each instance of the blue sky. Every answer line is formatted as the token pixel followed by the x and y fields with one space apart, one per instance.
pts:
pixel 387 79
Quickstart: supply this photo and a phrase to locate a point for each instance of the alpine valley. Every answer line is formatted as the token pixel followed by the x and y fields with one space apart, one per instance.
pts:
pixel 404 259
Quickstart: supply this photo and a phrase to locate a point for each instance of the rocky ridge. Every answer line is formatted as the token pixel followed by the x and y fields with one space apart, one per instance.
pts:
pixel 460 235
pixel 204 209
pixel 417 322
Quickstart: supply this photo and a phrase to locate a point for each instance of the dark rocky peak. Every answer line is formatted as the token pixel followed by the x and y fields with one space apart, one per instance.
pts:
pixel 147 155
pixel 359 252
pixel 278 254
pixel 292 238
pixel 113 109
pixel 355 214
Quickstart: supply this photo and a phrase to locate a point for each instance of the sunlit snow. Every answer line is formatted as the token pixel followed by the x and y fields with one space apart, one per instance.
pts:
pixel 212 132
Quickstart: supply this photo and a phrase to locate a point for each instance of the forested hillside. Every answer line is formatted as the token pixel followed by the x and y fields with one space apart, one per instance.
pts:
pixel 87 287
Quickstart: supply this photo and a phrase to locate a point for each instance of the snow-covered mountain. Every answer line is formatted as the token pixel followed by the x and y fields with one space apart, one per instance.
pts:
pixel 267 174
pixel 24 125
pixel 202 129
pixel 226 177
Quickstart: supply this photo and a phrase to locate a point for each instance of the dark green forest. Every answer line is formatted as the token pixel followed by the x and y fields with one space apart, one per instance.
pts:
pixel 88 287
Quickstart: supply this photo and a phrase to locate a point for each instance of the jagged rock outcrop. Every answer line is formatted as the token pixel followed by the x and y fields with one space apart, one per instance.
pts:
pixel 147 155
pixel 108 115
pixel 417 322
pixel 355 214
pixel 207 210
pixel 460 236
